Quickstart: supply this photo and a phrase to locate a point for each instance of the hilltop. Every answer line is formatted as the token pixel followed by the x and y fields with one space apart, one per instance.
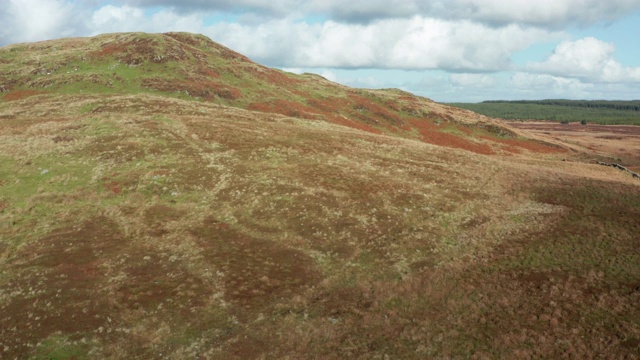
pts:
pixel 162 196
pixel 192 67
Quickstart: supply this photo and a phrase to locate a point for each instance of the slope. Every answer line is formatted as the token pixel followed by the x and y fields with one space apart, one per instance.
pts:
pixel 190 66
pixel 148 224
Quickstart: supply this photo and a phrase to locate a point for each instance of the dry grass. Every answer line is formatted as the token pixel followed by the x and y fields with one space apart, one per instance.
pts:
pixel 146 226
pixel 211 232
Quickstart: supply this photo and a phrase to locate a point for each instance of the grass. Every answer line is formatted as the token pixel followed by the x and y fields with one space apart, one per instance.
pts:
pixel 58 347
pixel 264 187
pixel 177 228
pixel 188 67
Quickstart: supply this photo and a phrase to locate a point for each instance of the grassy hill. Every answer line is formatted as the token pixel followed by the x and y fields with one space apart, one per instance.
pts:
pixel 596 111
pixel 192 67
pixel 164 197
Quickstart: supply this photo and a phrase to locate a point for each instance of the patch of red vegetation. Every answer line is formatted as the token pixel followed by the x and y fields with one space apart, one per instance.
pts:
pixel 328 106
pixel 109 49
pixel 431 134
pixel 21 94
pixel 139 50
pixel 113 186
pixel 354 124
pixel 512 149
pixel 318 109
pixel 371 112
pixel 332 107
pixel 205 71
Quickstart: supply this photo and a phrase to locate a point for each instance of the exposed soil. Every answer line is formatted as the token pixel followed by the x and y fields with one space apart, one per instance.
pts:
pixel 20 94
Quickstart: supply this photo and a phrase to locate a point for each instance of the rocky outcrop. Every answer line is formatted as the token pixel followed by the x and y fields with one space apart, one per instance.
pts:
pixel 620 167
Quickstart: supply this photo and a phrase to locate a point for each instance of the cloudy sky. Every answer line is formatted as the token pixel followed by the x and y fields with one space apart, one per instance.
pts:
pixel 453 50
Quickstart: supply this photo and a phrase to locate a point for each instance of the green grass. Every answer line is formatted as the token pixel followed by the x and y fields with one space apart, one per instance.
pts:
pixel 61 347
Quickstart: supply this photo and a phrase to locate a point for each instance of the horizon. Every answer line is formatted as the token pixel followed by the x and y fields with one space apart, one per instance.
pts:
pixel 461 51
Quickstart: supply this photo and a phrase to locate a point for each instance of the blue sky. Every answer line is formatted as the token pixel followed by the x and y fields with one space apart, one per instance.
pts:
pixel 454 50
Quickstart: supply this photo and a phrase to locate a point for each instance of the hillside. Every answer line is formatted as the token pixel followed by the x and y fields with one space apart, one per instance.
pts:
pixel 189 67
pixel 162 196
pixel 595 111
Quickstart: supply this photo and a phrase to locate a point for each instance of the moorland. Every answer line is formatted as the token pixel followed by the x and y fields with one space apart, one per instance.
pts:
pixel 162 196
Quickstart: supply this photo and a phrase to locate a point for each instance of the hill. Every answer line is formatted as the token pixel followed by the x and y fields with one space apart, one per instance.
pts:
pixel 594 111
pixel 162 196
pixel 191 67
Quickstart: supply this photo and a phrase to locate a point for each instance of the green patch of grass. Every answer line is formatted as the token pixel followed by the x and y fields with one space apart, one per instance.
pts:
pixel 42 174
pixel 452 129
pixel 84 87
pixel 100 127
pixel 38 193
pixel 62 347
pixel 87 108
pixel 164 119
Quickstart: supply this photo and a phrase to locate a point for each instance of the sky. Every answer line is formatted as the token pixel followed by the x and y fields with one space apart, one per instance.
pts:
pixel 449 51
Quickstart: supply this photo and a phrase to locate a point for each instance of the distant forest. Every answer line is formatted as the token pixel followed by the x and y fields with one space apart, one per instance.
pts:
pixel 593 111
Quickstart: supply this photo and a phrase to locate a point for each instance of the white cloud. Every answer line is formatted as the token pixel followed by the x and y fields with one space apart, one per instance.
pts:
pixel 588 58
pixel 473 80
pixel 549 86
pixel 329 75
pixel 33 20
pixel 293 70
pixel 367 82
pixel 544 13
pixel 127 18
pixel 416 43
pixel 272 8
pixel 109 18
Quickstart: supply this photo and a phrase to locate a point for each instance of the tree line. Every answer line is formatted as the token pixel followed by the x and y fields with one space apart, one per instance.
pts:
pixel 593 111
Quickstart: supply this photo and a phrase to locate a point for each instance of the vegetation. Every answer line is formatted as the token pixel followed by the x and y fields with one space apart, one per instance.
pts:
pixel 597 111
pixel 307 221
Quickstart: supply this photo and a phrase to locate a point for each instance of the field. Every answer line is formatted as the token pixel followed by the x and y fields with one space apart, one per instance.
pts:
pixel 598 112
pixel 619 142
pixel 322 223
